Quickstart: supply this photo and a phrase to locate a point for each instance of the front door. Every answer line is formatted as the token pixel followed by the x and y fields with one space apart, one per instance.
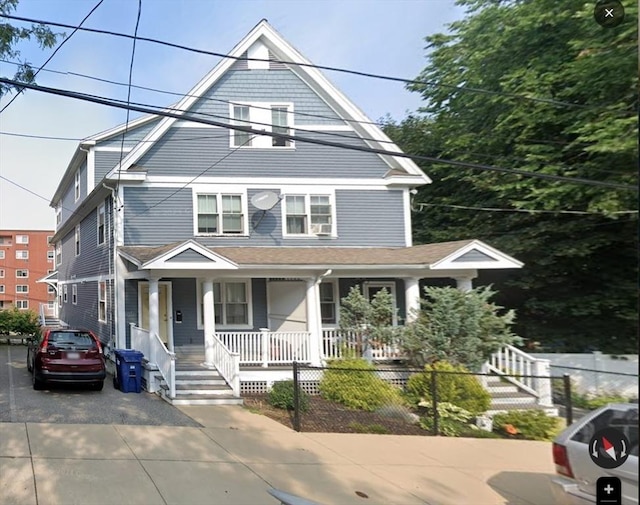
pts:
pixel 287 305
pixel 164 309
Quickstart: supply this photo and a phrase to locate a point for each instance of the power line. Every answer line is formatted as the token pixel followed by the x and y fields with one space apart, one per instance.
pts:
pixel 310 65
pixel 126 124
pixel 46 137
pixel 526 211
pixel 56 50
pixel 253 131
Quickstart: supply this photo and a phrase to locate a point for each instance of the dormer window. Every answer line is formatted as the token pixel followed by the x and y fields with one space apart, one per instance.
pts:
pixel 270 117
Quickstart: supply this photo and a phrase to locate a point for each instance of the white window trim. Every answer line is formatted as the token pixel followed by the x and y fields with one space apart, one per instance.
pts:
pixel 25 239
pixel 258 112
pixel 105 301
pixel 76 186
pixel 65 297
pixel 22 276
pixel 58 260
pixel 336 302
pixel 307 209
pixel 391 288
pixel 22 304
pixel 74 294
pixel 104 214
pixel 77 248
pixel 242 193
pixel 51 255
pixel 1 273
pixel 1 255
pixel 21 254
pixel 23 291
pixel 58 215
pixel 2 288
pixel 247 283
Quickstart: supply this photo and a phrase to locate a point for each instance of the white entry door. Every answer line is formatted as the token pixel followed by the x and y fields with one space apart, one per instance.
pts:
pixel 164 308
pixel 287 309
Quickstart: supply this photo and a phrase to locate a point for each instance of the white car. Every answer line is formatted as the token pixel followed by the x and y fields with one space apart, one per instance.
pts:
pixel 577 473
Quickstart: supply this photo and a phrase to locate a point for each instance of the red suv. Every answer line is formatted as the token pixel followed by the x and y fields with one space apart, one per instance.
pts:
pixel 65 355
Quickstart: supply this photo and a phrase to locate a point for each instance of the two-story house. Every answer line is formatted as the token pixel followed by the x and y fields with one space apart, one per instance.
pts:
pixel 228 231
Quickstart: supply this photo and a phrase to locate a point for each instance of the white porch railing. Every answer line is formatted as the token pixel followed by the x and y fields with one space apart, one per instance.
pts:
pixel 43 319
pixel 227 363
pixel 523 370
pixel 152 347
pixel 268 348
pixel 335 342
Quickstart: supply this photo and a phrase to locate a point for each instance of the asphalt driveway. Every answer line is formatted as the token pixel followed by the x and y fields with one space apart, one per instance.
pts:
pixel 76 405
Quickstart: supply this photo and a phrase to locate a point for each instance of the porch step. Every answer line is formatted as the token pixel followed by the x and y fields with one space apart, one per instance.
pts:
pixel 196 385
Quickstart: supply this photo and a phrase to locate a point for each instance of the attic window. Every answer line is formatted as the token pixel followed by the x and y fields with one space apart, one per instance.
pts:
pixel 269 117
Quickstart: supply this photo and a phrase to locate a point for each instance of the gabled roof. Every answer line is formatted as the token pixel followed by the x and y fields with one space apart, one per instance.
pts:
pixel 445 255
pixel 282 50
pixel 180 256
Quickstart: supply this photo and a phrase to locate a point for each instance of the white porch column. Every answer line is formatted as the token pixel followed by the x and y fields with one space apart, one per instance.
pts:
pixel 464 283
pixel 313 320
pixel 209 322
pixel 412 298
pixel 154 315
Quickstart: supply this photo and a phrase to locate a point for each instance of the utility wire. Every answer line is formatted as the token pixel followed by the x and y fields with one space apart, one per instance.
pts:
pixel 253 131
pixel 310 65
pixel 126 124
pixel 46 137
pixel 526 211
pixel 56 50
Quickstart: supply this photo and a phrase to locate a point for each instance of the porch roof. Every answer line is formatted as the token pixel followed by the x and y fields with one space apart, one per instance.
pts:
pixel 433 256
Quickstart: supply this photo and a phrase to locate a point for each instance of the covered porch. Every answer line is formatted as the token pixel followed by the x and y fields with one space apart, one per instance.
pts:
pixel 260 308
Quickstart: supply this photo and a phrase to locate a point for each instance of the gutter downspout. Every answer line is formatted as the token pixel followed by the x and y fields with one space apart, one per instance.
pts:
pixel 113 270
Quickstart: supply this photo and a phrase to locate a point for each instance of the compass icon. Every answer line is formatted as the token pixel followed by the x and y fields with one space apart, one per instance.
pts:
pixel 609 448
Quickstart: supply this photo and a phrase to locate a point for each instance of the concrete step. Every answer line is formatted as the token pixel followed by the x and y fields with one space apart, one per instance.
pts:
pixel 211 380
pixel 203 389
pixel 202 399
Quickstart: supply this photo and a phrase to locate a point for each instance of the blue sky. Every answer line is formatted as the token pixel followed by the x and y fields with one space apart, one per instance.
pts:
pixel 377 36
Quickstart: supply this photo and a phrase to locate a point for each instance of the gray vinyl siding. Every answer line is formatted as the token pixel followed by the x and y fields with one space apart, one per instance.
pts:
pixel 132 137
pixel 190 152
pixel 364 218
pixel 274 86
pixel 104 163
pixel 85 313
pixel 189 256
pixel 474 255
pixel 69 205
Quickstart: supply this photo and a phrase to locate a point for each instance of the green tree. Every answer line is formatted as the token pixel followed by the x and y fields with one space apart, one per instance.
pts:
pixel 462 328
pixel 558 97
pixel 367 320
pixel 11 36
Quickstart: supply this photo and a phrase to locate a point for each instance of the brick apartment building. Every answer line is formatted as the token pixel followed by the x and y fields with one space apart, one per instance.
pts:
pixel 25 257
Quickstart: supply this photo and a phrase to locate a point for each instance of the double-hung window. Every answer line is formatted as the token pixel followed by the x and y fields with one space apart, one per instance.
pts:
pixel 328 302
pixel 102 301
pixel 241 118
pixel 22 288
pixel 220 214
pixel 76 186
pixel 231 304
pixel 22 304
pixel 22 273
pixel 22 255
pixel 262 116
pixel 22 239
pixel 77 240
pixel 74 294
pixel 58 253
pixel 309 215
pixel 65 293
pixel 101 224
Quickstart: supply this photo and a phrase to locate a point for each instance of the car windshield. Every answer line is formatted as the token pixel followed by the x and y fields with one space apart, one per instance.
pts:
pixel 76 339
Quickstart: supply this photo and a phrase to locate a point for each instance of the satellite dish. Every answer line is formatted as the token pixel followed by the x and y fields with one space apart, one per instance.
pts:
pixel 266 200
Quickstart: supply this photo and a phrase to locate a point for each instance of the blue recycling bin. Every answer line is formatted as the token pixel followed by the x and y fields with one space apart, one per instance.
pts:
pixel 129 370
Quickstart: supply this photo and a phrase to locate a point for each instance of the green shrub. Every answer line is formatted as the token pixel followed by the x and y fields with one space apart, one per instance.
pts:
pixel 354 383
pixel 377 429
pixel 281 396
pixel 452 420
pixel 460 389
pixel 595 402
pixel 19 322
pixel 526 424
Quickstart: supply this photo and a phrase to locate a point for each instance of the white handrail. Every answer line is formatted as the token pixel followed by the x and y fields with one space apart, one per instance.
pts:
pixel 140 340
pixel 266 347
pixel 165 360
pixel 227 363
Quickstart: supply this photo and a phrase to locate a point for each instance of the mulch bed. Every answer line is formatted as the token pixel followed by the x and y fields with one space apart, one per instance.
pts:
pixel 330 417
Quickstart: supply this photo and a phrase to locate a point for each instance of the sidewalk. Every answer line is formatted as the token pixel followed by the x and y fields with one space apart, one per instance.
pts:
pixel 238 456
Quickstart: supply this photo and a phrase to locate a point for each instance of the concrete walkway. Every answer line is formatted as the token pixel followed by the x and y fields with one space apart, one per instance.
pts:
pixel 237 456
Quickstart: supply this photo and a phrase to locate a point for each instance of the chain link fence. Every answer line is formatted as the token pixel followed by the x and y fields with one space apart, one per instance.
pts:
pixel 356 398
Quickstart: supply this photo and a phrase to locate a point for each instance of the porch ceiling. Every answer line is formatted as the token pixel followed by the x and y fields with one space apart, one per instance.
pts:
pixel 420 256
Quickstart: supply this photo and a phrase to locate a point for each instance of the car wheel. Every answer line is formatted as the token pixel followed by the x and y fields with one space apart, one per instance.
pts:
pixel 29 364
pixel 116 384
pixel 97 386
pixel 37 383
